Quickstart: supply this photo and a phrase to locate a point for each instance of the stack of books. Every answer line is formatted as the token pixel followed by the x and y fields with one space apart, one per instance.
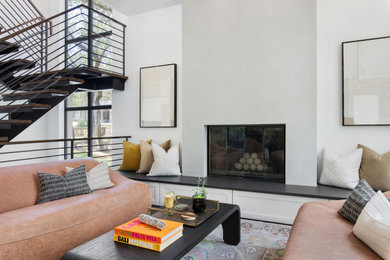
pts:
pixel 136 233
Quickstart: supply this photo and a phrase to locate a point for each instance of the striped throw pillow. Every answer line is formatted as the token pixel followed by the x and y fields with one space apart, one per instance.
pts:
pixel 54 187
pixel 355 203
pixel 98 177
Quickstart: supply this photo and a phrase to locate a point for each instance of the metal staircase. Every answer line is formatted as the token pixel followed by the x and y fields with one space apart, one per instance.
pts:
pixel 43 61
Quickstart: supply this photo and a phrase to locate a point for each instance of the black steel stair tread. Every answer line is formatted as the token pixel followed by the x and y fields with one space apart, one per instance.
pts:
pixel 83 72
pixel 26 105
pixel 37 82
pixel 8 47
pixel 16 122
pixel 30 93
pixel 17 64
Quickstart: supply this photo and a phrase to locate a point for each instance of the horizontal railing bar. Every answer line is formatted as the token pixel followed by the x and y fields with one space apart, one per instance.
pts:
pixel 108 64
pixel 64 140
pixel 112 46
pixel 86 146
pixel 33 150
pixel 106 150
pixel 112 32
pixel 111 52
pixel 86 108
pixel 40 157
pixel 116 160
pixel 110 58
pixel 106 155
pixel 86 38
pixel 113 27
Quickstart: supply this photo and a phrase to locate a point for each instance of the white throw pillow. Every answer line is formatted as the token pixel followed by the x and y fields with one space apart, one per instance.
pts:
pixel 165 163
pixel 373 225
pixel 98 177
pixel 341 172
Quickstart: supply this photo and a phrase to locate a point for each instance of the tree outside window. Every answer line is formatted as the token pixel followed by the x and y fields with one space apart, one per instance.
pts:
pixel 88 114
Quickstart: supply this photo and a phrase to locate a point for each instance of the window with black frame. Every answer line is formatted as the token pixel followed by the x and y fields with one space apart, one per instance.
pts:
pixel 88 114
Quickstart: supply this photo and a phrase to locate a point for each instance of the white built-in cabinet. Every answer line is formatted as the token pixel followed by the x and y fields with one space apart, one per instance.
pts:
pixel 253 205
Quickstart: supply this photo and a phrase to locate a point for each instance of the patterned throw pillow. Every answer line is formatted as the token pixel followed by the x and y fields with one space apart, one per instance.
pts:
pixel 54 187
pixel 98 177
pixel 343 171
pixel 355 203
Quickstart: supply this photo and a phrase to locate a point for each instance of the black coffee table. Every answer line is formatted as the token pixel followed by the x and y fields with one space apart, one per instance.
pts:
pixel 104 247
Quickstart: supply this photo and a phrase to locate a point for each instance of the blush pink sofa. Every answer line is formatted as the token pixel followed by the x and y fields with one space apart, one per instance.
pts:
pixel 319 232
pixel 49 230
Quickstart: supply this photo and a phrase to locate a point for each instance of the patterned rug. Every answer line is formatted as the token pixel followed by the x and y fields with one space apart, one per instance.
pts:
pixel 259 240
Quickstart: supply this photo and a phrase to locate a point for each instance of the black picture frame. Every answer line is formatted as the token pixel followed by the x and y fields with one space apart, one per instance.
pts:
pixel 148 77
pixel 346 120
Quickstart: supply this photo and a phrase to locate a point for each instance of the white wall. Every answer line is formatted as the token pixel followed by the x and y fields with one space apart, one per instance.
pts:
pixel 152 38
pixel 339 21
pixel 252 63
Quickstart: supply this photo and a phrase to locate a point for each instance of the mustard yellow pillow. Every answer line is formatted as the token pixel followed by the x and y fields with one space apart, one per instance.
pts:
pixel 131 156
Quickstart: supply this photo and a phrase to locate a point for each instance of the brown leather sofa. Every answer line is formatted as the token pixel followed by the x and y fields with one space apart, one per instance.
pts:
pixel 49 230
pixel 319 232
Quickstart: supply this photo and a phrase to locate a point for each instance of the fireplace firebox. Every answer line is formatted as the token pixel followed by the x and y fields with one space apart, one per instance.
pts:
pixel 253 151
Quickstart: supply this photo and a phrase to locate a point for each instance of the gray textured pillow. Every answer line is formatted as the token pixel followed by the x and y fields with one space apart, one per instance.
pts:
pixel 54 187
pixel 355 203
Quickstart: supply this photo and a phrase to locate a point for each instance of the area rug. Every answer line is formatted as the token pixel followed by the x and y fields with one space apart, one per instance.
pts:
pixel 259 240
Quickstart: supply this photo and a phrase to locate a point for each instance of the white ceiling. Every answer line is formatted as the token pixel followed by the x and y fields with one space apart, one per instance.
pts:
pixel 131 7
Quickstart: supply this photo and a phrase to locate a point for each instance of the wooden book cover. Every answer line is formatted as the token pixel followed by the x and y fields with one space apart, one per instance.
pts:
pixel 135 229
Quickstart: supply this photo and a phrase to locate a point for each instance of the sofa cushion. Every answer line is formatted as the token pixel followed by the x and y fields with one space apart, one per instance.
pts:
pixel 62 214
pixel 54 187
pixel 355 203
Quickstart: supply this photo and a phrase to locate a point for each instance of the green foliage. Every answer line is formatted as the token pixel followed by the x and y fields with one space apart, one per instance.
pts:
pixel 82 123
pixel 200 191
pixel 78 27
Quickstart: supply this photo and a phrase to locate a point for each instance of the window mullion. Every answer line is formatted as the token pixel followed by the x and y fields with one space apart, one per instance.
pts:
pixel 90 123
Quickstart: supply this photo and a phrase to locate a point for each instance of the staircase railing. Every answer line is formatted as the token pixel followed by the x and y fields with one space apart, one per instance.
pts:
pixel 80 37
pixel 16 14
pixel 104 149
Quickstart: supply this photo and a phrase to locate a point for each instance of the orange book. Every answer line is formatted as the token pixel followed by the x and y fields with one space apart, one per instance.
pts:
pixel 135 229
pixel 148 245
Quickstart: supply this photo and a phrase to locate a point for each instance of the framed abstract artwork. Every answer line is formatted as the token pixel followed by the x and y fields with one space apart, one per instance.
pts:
pixel 366 82
pixel 158 87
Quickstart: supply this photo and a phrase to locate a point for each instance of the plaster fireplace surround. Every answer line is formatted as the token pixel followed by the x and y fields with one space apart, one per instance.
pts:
pixel 249 151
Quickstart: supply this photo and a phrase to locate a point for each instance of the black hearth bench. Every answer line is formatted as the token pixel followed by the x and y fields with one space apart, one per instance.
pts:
pixel 250 185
